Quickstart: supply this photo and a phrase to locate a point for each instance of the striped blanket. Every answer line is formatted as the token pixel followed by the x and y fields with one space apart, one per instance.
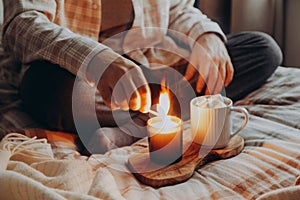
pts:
pixel 269 161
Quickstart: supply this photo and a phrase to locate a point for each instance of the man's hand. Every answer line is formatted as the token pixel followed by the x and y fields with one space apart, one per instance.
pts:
pixel 210 58
pixel 122 85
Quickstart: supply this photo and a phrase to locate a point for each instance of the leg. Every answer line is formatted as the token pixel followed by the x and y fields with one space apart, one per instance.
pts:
pixel 255 56
pixel 46 92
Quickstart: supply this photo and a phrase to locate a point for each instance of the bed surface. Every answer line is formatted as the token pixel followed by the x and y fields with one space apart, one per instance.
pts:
pixel 269 161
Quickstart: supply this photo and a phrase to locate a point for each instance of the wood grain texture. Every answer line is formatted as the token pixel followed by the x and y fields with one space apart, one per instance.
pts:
pixel 159 175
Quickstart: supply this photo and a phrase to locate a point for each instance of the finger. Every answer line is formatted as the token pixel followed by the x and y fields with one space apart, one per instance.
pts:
pixel 135 102
pixel 114 106
pixel 212 79
pixel 106 94
pixel 219 84
pixel 131 93
pixel 119 94
pixel 222 72
pixel 119 103
pixel 203 76
pixel 123 104
pixel 229 72
pixel 190 72
pixel 143 100
pixel 221 78
pixel 126 90
pixel 200 84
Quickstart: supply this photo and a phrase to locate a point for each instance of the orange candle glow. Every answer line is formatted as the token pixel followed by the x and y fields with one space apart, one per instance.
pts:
pixel 165 139
pixel 165 134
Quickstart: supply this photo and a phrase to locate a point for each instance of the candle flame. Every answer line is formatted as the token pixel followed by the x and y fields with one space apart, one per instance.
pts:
pixel 164 100
pixel 146 107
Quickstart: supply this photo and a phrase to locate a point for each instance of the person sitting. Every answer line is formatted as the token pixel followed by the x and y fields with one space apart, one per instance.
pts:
pixel 95 68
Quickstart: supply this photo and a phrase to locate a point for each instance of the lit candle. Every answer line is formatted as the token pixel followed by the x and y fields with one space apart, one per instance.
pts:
pixel 165 139
pixel 165 134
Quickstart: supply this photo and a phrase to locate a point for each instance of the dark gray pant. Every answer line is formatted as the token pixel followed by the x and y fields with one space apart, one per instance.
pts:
pixel 255 56
pixel 46 88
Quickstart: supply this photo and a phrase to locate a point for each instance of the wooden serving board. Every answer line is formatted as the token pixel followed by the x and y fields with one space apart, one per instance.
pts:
pixel 193 157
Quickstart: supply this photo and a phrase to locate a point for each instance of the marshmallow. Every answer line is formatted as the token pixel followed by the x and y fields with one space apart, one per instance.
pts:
pixel 211 101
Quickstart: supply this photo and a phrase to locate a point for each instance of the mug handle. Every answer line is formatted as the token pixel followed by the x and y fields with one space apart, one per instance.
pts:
pixel 246 118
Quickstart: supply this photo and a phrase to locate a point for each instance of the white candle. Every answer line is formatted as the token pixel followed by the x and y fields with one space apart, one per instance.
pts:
pixel 165 139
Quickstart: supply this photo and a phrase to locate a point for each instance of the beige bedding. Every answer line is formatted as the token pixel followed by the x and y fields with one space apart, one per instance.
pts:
pixel 269 161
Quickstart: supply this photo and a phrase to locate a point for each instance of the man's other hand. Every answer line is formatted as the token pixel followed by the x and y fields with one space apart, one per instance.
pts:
pixel 210 58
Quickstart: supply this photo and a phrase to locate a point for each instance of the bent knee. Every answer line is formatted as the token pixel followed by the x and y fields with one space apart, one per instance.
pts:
pixel 270 50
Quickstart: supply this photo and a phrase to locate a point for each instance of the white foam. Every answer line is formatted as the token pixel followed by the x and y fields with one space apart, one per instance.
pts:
pixel 211 101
